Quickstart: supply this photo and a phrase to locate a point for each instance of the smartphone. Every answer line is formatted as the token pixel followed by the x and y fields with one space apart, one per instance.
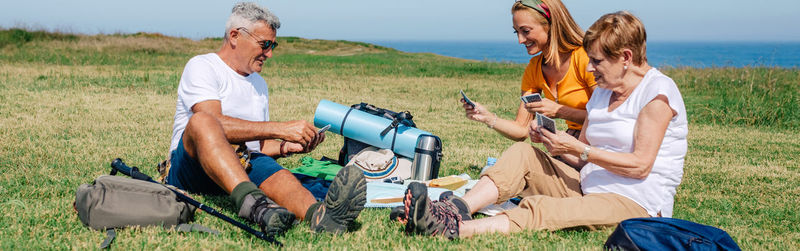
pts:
pixel 469 102
pixel 324 129
pixel 535 97
pixel 546 123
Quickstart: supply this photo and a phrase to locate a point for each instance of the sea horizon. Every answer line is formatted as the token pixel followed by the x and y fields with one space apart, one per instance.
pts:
pixel 665 53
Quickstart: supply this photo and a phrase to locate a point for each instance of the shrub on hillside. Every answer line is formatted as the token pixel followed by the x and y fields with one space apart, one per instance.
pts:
pixel 18 37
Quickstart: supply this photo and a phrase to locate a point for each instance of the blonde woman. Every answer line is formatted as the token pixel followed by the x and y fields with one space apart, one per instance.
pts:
pixel 546 28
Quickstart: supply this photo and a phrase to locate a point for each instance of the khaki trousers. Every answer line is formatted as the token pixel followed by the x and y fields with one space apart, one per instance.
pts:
pixel 551 194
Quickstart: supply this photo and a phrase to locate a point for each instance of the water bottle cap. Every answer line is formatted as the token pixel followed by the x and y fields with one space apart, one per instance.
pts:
pixel 490 161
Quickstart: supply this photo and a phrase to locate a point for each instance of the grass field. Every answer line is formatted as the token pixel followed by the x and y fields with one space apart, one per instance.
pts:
pixel 69 104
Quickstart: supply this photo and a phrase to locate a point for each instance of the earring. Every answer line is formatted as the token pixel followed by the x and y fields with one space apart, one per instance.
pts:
pixel 625 67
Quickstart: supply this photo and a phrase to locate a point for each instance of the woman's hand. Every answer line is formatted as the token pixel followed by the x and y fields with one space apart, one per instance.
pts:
pixel 559 143
pixel 545 107
pixel 477 112
pixel 533 133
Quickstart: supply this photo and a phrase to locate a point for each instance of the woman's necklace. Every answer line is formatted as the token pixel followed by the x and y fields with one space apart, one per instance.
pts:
pixel 552 89
pixel 556 89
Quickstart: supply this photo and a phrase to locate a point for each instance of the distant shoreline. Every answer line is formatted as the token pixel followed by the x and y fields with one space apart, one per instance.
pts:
pixel 698 54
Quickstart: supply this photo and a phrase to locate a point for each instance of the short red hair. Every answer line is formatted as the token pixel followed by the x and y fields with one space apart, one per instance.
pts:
pixel 616 31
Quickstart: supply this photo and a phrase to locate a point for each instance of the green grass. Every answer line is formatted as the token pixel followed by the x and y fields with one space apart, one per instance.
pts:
pixel 69 104
pixel 748 97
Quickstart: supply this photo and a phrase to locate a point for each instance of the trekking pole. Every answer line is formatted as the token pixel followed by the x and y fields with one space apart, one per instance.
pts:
pixel 118 165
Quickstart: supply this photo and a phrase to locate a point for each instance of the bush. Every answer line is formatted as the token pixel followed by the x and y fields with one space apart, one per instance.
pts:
pixel 18 37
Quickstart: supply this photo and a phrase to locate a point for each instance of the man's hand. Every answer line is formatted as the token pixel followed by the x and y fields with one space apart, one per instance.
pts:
pixel 292 148
pixel 298 131
pixel 545 107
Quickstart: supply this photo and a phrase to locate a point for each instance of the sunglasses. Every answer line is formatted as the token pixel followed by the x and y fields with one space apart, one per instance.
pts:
pixel 265 44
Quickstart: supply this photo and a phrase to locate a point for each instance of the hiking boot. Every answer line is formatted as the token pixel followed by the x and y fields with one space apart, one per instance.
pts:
pixel 429 217
pixel 399 213
pixel 273 219
pixel 458 202
pixel 345 200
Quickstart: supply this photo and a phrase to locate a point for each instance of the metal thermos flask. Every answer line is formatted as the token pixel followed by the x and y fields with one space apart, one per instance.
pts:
pixel 427 155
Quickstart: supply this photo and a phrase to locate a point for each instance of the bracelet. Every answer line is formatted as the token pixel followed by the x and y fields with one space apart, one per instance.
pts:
pixel 280 149
pixel 585 153
pixel 494 122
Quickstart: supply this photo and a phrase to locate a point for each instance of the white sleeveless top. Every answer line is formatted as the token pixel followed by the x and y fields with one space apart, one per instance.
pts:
pixel 613 131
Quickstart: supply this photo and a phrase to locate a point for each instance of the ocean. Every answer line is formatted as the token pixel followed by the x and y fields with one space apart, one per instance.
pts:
pixel 659 54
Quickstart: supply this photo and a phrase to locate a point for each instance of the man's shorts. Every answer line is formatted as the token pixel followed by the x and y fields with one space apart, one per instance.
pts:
pixel 186 173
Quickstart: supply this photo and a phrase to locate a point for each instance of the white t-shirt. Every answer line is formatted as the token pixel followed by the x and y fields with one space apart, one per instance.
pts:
pixel 207 77
pixel 613 131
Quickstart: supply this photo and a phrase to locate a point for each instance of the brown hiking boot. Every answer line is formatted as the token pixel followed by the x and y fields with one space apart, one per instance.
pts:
pixel 429 217
pixel 398 213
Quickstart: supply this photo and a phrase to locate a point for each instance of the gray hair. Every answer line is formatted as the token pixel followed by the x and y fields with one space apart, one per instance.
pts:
pixel 245 14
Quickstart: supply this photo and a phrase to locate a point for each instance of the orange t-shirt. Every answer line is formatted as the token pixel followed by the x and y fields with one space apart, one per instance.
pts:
pixel 573 90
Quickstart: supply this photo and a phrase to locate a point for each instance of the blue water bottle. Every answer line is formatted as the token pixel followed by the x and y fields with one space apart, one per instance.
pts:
pixel 489 163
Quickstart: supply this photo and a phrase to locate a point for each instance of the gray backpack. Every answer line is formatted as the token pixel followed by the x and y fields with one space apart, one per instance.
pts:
pixel 116 202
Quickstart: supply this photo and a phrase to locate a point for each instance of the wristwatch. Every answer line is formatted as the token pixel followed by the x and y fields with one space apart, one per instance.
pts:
pixel 585 153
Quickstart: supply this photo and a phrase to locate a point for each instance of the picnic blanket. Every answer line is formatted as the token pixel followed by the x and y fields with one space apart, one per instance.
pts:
pixel 379 190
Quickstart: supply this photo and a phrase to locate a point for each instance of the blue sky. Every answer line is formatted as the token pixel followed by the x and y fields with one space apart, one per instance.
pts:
pixel 361 20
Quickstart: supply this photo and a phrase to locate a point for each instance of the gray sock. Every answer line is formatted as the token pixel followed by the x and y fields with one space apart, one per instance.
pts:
pixel 311 210
pixel 243 189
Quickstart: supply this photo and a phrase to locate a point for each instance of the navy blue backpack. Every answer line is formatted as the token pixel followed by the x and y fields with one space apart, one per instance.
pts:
pixel 668 234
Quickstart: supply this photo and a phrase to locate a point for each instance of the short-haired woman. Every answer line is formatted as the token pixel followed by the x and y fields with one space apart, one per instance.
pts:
pixel 631 152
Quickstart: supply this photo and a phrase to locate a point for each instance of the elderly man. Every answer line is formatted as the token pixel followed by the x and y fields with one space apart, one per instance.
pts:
pixel 222 100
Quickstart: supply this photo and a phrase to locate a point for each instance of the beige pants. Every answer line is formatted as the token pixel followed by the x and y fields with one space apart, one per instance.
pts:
pixel 551 194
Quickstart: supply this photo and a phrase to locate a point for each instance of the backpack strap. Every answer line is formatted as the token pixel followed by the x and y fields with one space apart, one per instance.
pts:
pixel 398 119
pixel 186 228
pixel 341 127
pixel 394 138
pixel 110 235
pixel 343 151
